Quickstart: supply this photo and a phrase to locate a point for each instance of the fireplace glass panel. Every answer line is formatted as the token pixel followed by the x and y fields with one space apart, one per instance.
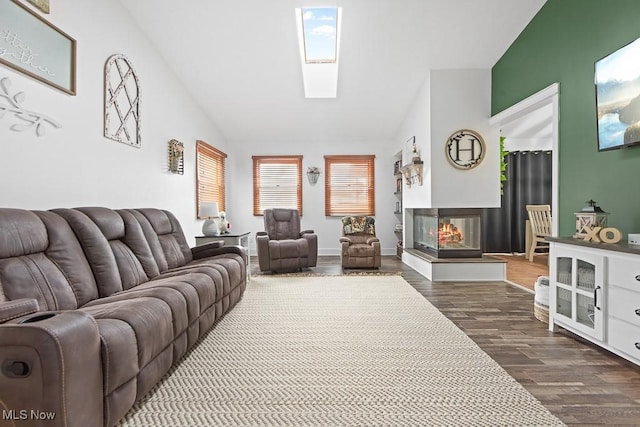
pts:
pixel 447 233
pixel 425 229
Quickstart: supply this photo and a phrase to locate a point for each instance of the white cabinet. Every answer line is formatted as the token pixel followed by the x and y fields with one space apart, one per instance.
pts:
pixel 579 290
pixel 595 293
pixel 623 327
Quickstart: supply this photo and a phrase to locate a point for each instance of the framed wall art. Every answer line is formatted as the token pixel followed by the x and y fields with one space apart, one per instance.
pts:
pixel 43 5
pixel 31 45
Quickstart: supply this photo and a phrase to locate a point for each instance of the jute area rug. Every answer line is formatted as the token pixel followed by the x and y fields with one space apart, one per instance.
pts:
pixel 337 351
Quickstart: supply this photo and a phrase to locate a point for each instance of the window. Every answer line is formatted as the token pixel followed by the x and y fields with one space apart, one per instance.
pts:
pixel 210 181
pixel 319 44
pixel 320 30
pixel 277 183
pixel 349 185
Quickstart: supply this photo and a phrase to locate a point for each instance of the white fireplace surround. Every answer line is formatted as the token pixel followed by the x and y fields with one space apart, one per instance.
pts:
pixel 483 269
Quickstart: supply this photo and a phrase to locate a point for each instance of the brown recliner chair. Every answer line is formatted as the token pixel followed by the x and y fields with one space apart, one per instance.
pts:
pixel 283 247
pixel 360 246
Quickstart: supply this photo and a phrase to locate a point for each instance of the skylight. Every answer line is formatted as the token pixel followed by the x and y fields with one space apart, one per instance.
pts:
pixel 320 34
pixel 319 41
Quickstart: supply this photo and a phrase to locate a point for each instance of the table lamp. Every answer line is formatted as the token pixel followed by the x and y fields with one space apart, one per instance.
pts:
pixel 209 210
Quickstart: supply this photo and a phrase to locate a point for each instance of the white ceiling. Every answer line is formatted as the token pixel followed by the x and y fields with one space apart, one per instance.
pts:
pixel 240 59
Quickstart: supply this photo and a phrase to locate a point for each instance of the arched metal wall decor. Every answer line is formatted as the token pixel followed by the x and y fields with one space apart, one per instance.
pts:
pixel 121 101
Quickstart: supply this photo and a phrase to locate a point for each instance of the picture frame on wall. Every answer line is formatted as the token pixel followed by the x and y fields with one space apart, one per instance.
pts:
pixel 43 5
pixel 33 46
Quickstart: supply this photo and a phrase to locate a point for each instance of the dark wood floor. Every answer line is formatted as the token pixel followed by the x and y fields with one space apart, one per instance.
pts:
pixel 578 382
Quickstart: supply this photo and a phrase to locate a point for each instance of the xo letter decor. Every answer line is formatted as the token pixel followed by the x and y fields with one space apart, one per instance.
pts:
pixel 121 101
pixel 12 103
pixel 606 235
pixel 465 149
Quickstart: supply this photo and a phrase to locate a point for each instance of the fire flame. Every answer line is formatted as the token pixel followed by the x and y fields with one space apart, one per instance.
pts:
pixel 448 233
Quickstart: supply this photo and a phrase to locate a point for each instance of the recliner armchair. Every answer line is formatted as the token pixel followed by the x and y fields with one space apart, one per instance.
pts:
pixel 283 247
pixel 360 248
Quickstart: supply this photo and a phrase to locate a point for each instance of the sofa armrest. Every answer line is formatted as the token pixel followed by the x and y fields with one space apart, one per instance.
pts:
pixel 10 310
pixel 262 249
pixel 345 240
pixel 312 243
pixel 306 232
pixel 51 364
pixel 377 251
pixel 372 240
pixel 215 248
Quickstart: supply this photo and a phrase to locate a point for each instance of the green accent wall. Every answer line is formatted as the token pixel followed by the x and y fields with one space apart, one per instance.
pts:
pixel 561 44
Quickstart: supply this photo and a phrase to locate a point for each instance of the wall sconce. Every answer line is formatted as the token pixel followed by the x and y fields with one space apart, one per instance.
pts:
pixel 176 157
pixel 313 172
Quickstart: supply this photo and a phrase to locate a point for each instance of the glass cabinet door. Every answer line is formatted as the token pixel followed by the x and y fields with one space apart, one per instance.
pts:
pixel 564 295
pixel 579 277
pixel 585 281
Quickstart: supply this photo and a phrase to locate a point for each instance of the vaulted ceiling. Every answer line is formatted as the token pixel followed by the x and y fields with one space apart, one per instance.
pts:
pixel 240 60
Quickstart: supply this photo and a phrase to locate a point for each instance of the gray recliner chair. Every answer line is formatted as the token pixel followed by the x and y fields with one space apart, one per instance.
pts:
pixel 282 247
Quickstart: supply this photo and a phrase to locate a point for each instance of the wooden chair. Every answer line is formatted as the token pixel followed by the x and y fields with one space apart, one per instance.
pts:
pixel 540 219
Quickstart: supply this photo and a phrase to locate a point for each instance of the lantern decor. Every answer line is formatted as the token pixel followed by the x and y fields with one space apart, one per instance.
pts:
pixel 590 216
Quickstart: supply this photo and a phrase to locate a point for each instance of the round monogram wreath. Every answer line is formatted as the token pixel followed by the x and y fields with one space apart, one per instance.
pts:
pixel 465 149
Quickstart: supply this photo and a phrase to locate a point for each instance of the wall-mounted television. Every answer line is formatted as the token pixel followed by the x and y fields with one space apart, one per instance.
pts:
pixel 617 78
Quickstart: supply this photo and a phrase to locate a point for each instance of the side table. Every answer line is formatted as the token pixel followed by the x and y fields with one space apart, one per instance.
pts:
pixel 233 238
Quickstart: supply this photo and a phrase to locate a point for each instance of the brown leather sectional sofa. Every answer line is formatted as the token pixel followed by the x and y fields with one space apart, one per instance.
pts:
pixel 96 305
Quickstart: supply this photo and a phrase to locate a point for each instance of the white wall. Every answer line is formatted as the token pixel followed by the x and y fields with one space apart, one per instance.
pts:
pixel 461 99
pixel 418 123
pixel 328 229
pixel 450 100
pixel 76 165
pixel 527 144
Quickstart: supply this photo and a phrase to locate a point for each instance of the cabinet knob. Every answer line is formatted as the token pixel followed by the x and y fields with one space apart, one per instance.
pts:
pixel 637 311
pixel 637 345
pixel 638 277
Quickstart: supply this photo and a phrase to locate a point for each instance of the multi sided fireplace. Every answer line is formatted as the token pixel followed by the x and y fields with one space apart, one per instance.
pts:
pixel 447 233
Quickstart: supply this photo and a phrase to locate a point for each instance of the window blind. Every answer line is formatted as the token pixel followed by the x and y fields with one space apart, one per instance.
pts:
pixel 277 183
pixel 349 185
pixel 210 175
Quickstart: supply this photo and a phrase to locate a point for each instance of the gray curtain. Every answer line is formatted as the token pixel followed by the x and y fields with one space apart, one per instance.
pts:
pixel 528 183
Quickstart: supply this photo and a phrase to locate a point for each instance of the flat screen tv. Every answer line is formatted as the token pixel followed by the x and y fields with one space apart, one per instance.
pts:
pixel 617 78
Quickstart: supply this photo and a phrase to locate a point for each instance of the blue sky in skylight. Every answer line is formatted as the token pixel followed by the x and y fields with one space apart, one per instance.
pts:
pixel 320 34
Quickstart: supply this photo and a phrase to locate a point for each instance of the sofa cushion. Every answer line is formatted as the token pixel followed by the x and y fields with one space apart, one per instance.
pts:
pixel 149 318
pixel 280 249
pixel 121 227
pixel 109 243
pixel 41 259
pixel 282 224
pixel 165 236
pixel 96 250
